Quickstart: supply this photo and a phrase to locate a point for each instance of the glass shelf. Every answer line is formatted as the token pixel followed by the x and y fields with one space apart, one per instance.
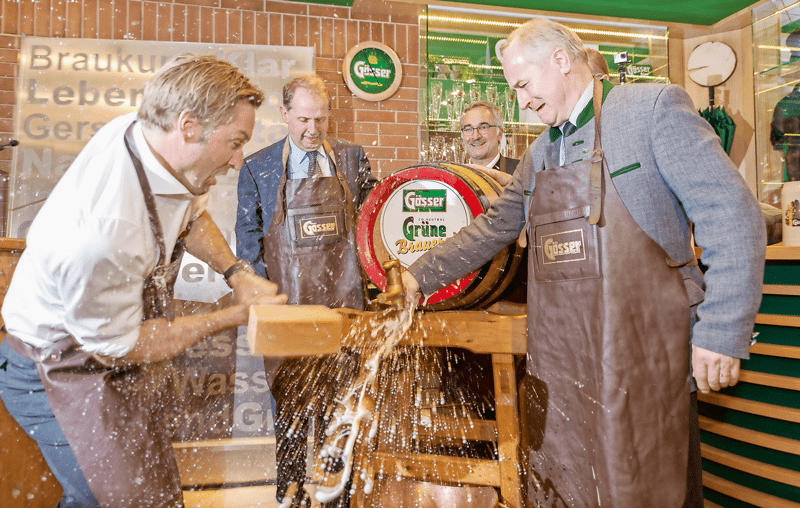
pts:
pixel 459 66
pixel 776 66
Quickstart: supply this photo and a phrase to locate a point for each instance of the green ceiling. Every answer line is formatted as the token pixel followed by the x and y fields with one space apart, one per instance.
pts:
pixel 697 12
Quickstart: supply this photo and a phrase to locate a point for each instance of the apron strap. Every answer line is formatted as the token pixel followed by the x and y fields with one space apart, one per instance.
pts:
pixel 596 175
pixel 149 200
pixel 349 202
pixel 163 293
pixel 523 235
pixel 280 212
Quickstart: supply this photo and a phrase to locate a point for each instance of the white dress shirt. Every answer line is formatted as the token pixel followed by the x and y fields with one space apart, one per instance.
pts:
pixel 90 247
pixel 298 161
pixel 573 118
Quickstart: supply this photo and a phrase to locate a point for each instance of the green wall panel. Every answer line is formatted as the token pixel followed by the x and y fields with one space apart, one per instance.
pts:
pixel 768 394
pixel 750 451
pixel 785 305
pixel 779 335
pixel 782 272
pixel 773 365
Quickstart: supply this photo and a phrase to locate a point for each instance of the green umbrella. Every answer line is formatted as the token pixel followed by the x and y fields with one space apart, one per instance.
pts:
pixel 722 124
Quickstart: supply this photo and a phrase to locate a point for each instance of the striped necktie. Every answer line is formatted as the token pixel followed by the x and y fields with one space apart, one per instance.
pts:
pixel 314 169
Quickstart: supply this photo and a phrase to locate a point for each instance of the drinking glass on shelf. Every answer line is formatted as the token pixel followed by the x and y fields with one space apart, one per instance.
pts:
pixel 452 115
pixel 436 151
pixel 474 92
pixel 491 94
pixel 458 98
pixel 435 99
pixel 510 150
pixel 510 104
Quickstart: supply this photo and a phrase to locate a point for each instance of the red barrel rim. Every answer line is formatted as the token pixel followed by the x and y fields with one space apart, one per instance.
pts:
pixel 374 203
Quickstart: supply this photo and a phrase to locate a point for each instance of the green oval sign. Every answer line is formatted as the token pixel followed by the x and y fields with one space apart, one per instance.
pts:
pixel 372 70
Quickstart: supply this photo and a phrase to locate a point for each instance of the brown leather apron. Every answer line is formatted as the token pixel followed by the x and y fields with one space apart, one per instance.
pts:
pixel 607 396
pixel 310 248
pixel 111 414
pixel 310 252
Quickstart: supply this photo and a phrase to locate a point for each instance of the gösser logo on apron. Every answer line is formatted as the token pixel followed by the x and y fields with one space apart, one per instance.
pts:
pixel 310 246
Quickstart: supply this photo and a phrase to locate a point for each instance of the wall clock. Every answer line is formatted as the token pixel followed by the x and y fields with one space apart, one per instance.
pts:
pixel 372 71
pixel 711 63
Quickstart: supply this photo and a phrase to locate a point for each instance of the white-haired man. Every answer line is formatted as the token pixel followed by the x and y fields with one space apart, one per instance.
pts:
pixel 614 294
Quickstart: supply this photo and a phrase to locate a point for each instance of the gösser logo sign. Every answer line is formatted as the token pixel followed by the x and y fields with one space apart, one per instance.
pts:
pixel 372 71
pixel 424 200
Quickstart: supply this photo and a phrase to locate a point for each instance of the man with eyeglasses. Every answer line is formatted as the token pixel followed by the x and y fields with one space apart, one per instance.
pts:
pixel 481 131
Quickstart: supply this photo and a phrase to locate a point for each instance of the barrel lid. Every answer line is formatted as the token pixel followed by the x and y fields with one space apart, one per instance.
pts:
pixel 411 211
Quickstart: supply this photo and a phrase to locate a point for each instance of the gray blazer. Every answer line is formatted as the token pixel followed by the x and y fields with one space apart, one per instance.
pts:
pixel 668 166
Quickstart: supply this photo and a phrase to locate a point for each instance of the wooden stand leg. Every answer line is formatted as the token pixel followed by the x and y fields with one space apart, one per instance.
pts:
pixel 505 394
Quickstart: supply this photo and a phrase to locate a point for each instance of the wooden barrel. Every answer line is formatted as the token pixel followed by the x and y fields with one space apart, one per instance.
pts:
pixel 416 208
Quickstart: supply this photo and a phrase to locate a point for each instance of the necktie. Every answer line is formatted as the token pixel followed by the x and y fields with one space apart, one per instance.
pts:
pixel 566 129
pixel 314 171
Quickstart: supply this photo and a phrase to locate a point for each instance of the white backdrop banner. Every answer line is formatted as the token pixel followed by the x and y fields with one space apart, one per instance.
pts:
pixel 69 88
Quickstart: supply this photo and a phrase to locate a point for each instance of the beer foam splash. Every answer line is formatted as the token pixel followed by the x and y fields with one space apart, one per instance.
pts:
pixel 392 401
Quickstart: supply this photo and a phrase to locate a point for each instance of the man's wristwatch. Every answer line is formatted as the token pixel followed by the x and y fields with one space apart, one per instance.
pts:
pixel 239 266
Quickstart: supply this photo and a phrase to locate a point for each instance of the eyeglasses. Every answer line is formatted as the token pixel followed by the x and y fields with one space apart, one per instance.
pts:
pixel 482 128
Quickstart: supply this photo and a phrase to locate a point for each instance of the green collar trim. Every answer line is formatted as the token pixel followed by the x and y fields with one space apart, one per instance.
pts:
pixel 586 115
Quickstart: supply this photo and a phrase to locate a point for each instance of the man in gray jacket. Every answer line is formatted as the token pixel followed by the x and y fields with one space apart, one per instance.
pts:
pixel 614 291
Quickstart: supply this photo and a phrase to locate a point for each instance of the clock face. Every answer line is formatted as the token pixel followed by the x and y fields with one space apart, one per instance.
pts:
pixel 711 63
pixel 372 71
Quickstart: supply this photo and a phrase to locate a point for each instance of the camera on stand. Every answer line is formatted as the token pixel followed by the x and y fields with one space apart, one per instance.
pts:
pixel 621 59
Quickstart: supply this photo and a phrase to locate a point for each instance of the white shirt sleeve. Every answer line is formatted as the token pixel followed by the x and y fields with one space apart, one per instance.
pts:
pixel 100 285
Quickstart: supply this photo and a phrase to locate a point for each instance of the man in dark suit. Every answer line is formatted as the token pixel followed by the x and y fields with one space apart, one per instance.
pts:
pixel 481 131
pixel 296 223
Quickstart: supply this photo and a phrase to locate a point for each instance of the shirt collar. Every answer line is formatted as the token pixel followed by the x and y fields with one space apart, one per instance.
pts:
pixel 583 110
pixel 162 182
pixel 491 164
pixel 297 157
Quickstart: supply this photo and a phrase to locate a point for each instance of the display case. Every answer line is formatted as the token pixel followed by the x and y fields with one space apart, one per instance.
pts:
pixel 776 66
pixel 459 66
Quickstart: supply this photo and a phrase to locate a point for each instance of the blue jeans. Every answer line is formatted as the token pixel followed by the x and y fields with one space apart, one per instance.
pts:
pixel 23 395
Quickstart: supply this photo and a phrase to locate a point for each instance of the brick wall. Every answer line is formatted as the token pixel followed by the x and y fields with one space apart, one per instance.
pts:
pixel 388 130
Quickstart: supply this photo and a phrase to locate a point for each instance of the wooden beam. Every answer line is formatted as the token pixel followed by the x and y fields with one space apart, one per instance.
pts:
pixel 754 437
pixel 762 378
pixel 479 331
pixel 762 348
pixel 778 320
pixel 779 252
pixel 780 289
pixel 748 495
pixel 750 466
pixel 450 428
pixel 749 406
pixel 439 468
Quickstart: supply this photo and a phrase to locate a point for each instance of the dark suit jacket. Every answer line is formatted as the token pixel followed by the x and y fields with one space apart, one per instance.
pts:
pixel 506 165
pixel 258 188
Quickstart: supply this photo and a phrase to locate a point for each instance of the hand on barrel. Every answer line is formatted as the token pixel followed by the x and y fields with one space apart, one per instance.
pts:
pixel 713 370
pixel 410 289
pixel 252 289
